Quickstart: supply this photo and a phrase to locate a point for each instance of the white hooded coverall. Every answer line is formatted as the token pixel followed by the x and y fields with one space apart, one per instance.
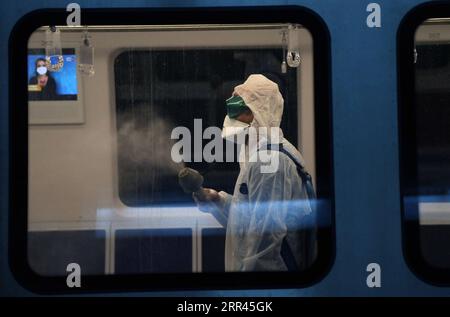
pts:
pixel 267 210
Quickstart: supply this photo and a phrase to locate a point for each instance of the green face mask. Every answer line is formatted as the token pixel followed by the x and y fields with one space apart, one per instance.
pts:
pixel 235 106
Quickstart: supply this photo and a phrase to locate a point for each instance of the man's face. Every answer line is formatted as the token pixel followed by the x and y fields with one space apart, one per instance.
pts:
pixel 246 117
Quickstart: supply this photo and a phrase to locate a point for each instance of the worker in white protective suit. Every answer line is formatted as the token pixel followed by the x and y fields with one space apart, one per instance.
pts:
pixel 269 216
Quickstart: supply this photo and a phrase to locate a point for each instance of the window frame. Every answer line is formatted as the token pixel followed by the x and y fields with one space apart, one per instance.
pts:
pixel 407 138
pixel 18 153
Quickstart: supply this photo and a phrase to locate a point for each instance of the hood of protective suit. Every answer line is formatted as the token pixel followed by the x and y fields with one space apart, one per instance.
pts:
pixel 264 99
pixel 262 96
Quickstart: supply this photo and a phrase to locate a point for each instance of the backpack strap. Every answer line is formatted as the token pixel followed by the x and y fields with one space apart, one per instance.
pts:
pixel 304 175
pixel 286 251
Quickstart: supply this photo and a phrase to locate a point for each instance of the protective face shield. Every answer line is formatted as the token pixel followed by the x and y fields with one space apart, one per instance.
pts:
pixel 41 70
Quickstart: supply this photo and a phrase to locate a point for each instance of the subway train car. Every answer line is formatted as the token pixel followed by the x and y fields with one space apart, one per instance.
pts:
pixel 225 148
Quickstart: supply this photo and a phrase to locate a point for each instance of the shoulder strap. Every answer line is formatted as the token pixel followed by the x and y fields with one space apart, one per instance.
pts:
pixel 304 175
pixel 286 251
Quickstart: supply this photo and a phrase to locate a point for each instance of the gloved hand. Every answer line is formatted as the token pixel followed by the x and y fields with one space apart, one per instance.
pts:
pixel 207 200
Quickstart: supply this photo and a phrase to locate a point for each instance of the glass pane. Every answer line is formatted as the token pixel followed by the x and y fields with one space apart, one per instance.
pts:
pixel 430 200
pixel 180 149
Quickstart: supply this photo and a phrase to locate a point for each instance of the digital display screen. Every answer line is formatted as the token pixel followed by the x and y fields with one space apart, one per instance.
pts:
pixel 44 84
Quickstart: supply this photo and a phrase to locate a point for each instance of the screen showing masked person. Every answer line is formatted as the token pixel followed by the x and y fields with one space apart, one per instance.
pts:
pixel 44 84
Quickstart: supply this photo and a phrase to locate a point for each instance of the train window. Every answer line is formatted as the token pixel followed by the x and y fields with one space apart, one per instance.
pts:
pixel 424 98
pixel 191 154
